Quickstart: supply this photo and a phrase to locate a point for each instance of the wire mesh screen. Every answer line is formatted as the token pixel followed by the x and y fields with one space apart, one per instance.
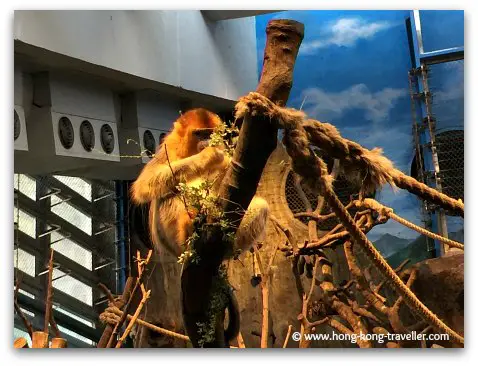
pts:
pixel 300 198
pixel 345 192
pixel 450 147
pixel 77 218
pixel 446 82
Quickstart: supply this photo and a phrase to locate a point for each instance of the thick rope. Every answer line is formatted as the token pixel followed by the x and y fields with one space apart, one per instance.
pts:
pixel 388 212
pixel 112 315
pixel 314 171
pixel 367 167
pixel 429 194
pixel 291 120
pixel 411 225
pixel 371 167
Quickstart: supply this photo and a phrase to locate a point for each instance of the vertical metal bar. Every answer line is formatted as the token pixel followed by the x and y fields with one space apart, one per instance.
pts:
pixel 120 230
pixel 426 217
pixel 424 110
pixel 441 217
pixel 43 256
pixel 417 29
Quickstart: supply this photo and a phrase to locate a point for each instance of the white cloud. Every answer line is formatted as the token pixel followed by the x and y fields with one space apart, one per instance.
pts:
pixel 453 87
pixel 344 32
pixel 396 141
pixel 377 106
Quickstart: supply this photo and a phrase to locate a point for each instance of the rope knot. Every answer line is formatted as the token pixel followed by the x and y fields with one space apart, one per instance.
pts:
pixel 110 315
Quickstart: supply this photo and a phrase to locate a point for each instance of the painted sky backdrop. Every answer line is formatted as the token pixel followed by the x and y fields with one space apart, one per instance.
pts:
pixel 352 71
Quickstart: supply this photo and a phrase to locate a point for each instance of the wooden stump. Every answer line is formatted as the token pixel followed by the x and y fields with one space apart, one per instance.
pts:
pixel 20 343
pixel 58 343
pixel 40 340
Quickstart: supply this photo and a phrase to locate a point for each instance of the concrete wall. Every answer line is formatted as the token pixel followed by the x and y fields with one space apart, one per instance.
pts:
pixel 134 69
pixel 179 48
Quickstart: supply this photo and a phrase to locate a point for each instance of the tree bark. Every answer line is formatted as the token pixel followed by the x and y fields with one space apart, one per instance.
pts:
pixel 257 140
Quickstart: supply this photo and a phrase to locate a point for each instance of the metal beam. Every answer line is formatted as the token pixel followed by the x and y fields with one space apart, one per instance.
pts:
pixel 67 301
pixel 35 59
pixel 217 15
pixel 440 56
pixel 92 243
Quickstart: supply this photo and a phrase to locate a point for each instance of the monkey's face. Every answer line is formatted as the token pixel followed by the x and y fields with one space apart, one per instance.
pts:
pixel 202 136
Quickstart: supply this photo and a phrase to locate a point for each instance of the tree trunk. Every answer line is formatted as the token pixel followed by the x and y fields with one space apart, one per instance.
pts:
pixel 257 140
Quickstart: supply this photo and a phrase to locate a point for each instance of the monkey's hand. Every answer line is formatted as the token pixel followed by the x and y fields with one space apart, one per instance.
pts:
pixel 159 180
pixel 211 157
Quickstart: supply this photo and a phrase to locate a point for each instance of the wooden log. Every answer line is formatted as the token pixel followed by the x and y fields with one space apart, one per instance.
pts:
pixel 257 140
pixel 18 309
pixel 134 318
pixel 49 319
pixel 142 263
pixel 108 331
pixel 40 340
pixel 20 343
pixel 58 343
pixel 282 45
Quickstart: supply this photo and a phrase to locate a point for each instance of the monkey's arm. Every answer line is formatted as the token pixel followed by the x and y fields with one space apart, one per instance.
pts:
pixel 158 179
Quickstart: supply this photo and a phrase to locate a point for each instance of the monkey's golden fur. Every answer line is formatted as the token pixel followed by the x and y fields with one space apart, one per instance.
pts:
pixel 170 223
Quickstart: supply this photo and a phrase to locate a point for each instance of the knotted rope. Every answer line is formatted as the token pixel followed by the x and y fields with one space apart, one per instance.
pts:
pixel 388 212
pixel 112 315
pixel 369 168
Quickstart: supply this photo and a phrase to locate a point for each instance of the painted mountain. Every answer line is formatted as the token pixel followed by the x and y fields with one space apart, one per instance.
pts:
pixel 416 250
pixel 396 250
pixel 389 244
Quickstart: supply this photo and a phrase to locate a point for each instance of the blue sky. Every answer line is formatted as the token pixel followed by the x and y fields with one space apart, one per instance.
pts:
pixel 352 70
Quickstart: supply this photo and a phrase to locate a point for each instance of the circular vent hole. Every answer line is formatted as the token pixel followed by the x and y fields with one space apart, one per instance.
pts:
pixel 107 138
pixel 149 143
pixel 87 135
pixel 17 126
pixel 66 133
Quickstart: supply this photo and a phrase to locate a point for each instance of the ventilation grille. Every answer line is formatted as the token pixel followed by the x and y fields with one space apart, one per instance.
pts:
pixel 87 135
pixel 107 138
pixel 17 128
pixel 66 132
pixel 149 143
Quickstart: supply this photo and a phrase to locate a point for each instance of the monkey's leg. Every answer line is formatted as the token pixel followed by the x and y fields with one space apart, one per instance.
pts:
pixel 253 224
